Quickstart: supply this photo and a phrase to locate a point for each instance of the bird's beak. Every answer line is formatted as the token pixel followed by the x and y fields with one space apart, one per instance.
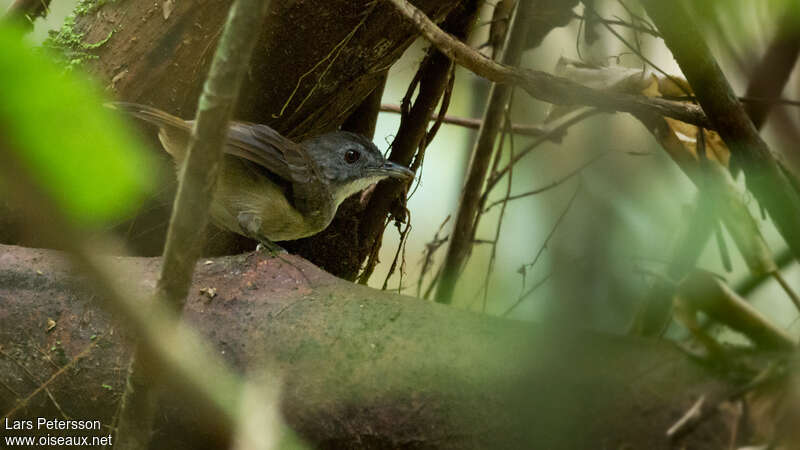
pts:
pixel 395 170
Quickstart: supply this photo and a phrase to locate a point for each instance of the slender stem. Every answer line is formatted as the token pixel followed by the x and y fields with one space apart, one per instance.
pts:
pixel 197 181
pixel 632 26
pixel 754 281
pixel 786 288
pixel 469 204
pixel 554 133
pixel 467 122
pixel 547 187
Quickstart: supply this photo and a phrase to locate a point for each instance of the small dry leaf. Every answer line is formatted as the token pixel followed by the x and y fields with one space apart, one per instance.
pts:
pixel 604 78
pixel 50 325
pixel 210 292
pixel 209 262
pixel 716 150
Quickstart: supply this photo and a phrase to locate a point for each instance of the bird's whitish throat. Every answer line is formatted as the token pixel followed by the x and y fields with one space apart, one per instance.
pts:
pixel 271 188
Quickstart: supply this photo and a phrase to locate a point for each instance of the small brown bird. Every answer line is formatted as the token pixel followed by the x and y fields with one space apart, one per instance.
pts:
pixel 272 189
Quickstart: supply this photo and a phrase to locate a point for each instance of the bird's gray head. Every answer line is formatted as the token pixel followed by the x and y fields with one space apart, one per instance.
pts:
pixel 350 162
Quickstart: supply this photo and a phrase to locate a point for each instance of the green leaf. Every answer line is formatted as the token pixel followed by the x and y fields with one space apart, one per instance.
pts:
pixel 79 152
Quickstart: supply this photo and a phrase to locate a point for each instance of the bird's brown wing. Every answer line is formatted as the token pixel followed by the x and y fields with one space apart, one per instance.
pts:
pixel 267 148
pixel 261 145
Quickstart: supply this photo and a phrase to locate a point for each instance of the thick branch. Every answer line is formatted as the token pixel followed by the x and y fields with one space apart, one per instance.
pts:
pixel 26 11
pixel 768 81
pixel 770 76
pixel 544 86
pixel 360 367
pixel 728 117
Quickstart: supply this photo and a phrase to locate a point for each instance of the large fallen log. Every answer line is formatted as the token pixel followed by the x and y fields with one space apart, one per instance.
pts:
pixel 360 368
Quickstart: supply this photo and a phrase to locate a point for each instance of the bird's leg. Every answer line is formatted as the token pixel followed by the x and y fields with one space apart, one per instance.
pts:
pixel 251 224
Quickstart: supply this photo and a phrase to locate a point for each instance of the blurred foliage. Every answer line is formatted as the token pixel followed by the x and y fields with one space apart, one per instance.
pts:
pixel 78 151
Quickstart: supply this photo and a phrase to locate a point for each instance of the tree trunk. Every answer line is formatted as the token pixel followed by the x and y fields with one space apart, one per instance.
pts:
pixel 314 63
pixel 360 367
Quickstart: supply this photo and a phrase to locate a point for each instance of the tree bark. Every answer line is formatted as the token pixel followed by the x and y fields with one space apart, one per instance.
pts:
pixel 361 368
pixel 314 63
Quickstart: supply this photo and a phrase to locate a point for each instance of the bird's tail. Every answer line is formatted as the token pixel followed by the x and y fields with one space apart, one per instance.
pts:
pixel 173 132
pixel 150 115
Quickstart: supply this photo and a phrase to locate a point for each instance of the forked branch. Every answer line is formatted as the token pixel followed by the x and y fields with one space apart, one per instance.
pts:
pixel 542 85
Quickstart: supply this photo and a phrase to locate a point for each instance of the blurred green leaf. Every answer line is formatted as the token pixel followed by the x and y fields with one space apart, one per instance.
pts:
pixel 78 151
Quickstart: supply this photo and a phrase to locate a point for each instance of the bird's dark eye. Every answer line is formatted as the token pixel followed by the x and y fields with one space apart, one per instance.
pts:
pixel 351 156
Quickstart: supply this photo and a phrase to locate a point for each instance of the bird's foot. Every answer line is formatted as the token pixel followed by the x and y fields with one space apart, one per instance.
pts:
pixel 251 226
pixel 270 247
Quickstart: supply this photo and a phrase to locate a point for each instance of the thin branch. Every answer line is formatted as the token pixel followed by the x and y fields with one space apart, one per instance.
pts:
pixel 767 376
pixel 787 288
pixel 746 287
pixel 474 124
pixel 527 293
pixel 553 230
pixel 638 53
pixel 399 255
pixel 544 86
pixel 499 227
pixel 468 207
pixel 432 77
pixel 539 253
pixel 632 26
pixel 689 418
pixel 416 167
pixel 554 133
pixel 432 81
pixel 549 186
pixel 430 249
pixel 198 178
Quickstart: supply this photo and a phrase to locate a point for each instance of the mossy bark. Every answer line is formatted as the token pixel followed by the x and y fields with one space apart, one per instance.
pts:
pixel 360 367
